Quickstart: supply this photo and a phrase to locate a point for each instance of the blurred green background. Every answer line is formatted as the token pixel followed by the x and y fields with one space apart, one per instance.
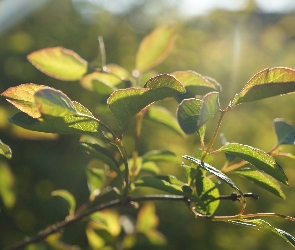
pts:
pixel 229 43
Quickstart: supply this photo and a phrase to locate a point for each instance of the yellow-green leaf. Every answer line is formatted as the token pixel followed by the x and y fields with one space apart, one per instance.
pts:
pixel 257 158
pixel 194 83
pixel 59 63
pixel 68 197
pixel 7 192
pixel 155 47
pixel 54 103
pixel 126 103
pixel 71 124
pixel 263 180
pixel 23 97
pixel 163 116
pixel 267 83
pixel 5 150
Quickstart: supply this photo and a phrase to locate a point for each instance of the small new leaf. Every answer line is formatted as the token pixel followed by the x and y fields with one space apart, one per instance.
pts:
pixel 54 103
pixel 68 197
pixel 5 150
pixel 59 63
pixel 257 158
pixel 285 132
pixel 267 83
pixel 155 47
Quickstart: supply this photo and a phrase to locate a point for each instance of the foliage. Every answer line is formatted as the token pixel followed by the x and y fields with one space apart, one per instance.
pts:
pixel 46 109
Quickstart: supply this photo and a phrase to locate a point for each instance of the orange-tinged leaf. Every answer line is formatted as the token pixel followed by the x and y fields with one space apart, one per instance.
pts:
pixel 59 63
pixel 155 47
pixel 267 83
pixel 22 97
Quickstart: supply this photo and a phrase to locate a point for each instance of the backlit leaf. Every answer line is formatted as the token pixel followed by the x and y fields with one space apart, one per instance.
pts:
pixel 207 192
pixel 101 82
pixel 126 103
pixel 257 158
pixel 167 184
pixel 264 226
pixel 68 197
pixel 160 155
pixel 147 218
pixel 103 154
pixel 263 180
pixel 54 103
pixel 267 83
pixel 155 47
pixel 194 83
pixel 212 170
pixel 95 179
pixel 118 71
pixel 223 140
pixel 7 192
pixel 188 113
pixel 59 63
pixel 163 116
pixel 61 125
pixel 210 107
pixel 285 132
pixel 5 150
pixel 23 97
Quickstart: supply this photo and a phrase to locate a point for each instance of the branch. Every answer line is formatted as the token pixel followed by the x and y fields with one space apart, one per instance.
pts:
pixel 60 226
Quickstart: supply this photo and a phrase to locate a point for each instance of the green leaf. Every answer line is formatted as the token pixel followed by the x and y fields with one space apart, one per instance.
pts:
pixel 54 103
pixel 103 154
pixel 160 155
pixel 285 132
pixel 5 150
pixel 95 179
pixel 194 83
pixel 167 184
pixel 263 180
pixel 7 192
pixel 101 82
pixel 229 157
pixel 23 97
pixel 59 63
pixel 147 218
pixel 257 158
pixel 212 170
pixel 118 71
pixel 188 113
pixel 68 197
pixel 264 226
pixel 155 47
pixel 210 107
pixel 267 83
pixel 62 125
pixel 150 166
pixel 207 192
pixel 126 103
pixel 163 116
